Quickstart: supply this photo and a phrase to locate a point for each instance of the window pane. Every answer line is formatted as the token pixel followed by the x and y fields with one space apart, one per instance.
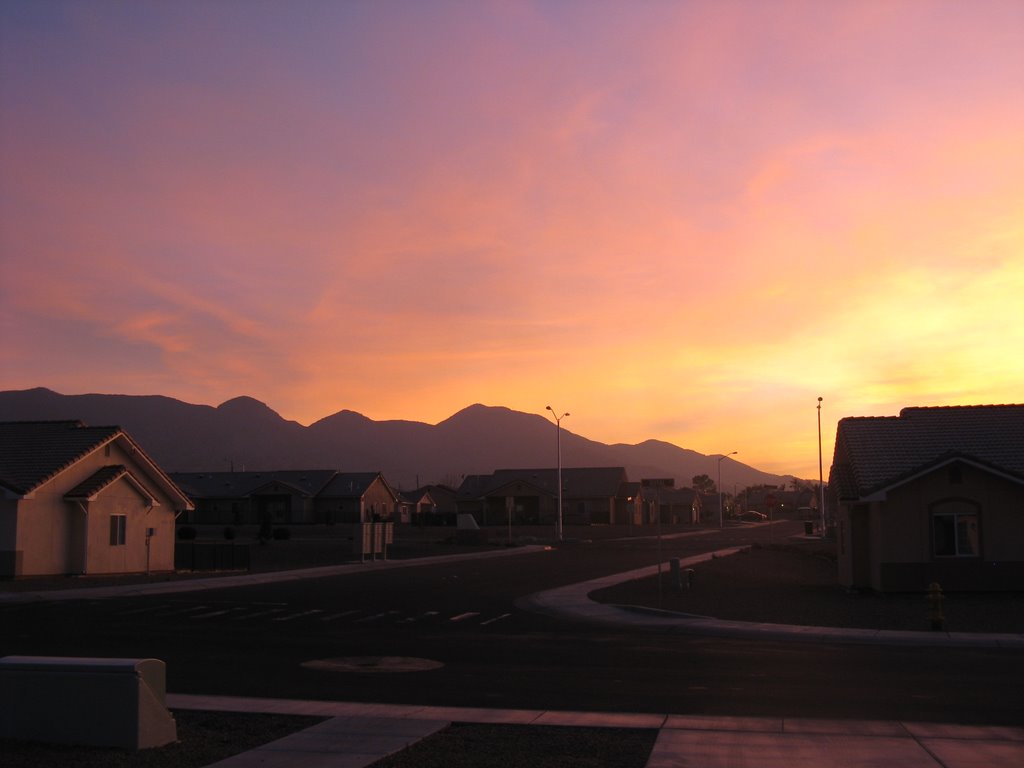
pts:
pixel 967 534
pixel 945 535
pixel 117 529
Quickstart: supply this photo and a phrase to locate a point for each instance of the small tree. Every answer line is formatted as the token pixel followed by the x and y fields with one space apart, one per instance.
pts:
pixel 704 484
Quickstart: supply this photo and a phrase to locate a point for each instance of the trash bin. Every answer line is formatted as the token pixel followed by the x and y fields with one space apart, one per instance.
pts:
pixel 808 527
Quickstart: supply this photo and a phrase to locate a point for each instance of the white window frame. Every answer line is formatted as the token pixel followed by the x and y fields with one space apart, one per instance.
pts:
pixel 966 520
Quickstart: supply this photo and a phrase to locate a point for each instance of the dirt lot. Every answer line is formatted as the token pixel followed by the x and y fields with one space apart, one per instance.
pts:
pixel 796 584
pixel 203 738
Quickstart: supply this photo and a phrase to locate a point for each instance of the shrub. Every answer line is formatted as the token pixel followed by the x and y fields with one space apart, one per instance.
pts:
pixel 186 533
pixel 282 534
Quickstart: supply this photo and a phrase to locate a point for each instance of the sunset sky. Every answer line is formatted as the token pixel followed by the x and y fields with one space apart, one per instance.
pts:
pixel 676 220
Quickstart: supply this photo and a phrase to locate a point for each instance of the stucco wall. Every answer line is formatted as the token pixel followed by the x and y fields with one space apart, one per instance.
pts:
pixel 49 527
pixel 45 528
pixel 905 549
pixel 378 500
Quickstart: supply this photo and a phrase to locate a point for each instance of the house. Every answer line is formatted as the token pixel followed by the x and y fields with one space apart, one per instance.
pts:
pixel 249 498
pixel 423 506
pixel 445 507
pixel 931 495
pixel 83 500
pixel 357 497
pixel 674 505
pixel 288 497
pixel 590 495
pixel 777 501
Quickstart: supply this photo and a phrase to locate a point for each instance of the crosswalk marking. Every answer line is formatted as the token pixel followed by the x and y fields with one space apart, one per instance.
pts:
pixel 496 618
pixel 374 617
pixel 221 612
pixel 260 614
pixel 335 616
pixel 144 609
pixel 464 616
pixel 179 611
pixel 292 616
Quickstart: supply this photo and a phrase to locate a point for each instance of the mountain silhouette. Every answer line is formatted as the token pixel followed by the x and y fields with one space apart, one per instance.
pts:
pixel 245 434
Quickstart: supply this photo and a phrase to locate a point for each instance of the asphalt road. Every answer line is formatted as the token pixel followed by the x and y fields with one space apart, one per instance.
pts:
pixel 254 641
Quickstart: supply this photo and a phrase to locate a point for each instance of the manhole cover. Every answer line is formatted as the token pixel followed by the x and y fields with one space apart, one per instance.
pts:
pixel 373 664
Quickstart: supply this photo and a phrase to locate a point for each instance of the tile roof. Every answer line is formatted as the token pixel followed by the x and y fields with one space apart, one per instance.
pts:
pixel 97 482
pixel 237 485
pixel 351 484
pixel 578 482
pixel 32 452
pixel 873 453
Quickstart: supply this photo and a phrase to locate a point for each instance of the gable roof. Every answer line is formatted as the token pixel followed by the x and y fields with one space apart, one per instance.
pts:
pixel 33 452
pixel 95 483
pixel 238 485
pixel 353 485
pixel 103 478
pixel 873 453
pixel 577 482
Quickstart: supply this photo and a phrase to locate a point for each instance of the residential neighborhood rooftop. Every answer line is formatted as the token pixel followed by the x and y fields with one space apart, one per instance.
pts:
pixel 875 451
pixel 32 452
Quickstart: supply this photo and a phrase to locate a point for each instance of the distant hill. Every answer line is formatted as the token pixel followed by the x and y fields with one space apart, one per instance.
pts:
pixel 244 433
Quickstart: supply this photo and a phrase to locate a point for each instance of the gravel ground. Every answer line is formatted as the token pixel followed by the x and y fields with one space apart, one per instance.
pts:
pixel 472 745
pixel 203 738
pixel 796 584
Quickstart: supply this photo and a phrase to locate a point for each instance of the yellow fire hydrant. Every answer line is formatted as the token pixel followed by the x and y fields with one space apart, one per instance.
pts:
pixel 935 606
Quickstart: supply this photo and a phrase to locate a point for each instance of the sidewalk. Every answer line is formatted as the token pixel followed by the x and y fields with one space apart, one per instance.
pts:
pixel 573 601
pixel 248 579
pixel 358 735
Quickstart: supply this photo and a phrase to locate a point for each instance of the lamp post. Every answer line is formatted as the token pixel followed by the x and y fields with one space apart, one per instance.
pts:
pixel 821 478
pixel 558 441
pixel 721 518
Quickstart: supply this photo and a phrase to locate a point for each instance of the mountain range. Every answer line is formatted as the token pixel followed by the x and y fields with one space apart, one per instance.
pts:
pixel 245 434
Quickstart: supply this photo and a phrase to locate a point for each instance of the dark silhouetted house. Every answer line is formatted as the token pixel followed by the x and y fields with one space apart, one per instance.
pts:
pixel 82 500
pixel 248 498
pixel 776 501
pixel 674 505
pixel 590 495
pixel 934 494
pixel 445 507
pixel 287 497
pixel 429 505
pixel 357 497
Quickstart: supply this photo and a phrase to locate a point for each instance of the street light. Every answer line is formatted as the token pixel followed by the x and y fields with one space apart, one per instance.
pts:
pixel 720 516
pixel 558 440
pixel 821 478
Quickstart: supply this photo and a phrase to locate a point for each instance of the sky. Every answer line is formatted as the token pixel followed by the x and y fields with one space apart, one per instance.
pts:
pixel 682 221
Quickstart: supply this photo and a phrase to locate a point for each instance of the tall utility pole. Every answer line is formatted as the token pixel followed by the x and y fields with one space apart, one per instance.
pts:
pixel 821 475
pixel 720 510
pixel 558 442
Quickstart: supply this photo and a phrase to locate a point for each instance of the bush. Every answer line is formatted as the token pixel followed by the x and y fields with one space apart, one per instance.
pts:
pixel 229 533
pixel 282 534
pixel 186 533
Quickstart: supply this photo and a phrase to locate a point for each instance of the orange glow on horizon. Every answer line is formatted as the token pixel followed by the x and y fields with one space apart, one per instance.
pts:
pixel 683 222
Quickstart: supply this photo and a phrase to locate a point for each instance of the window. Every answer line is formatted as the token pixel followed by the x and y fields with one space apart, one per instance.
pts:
pixel 955 530
pixel 118 525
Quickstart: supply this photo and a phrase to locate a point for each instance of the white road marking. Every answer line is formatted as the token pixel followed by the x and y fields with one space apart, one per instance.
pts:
pixel 496 618
pixel 291 616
